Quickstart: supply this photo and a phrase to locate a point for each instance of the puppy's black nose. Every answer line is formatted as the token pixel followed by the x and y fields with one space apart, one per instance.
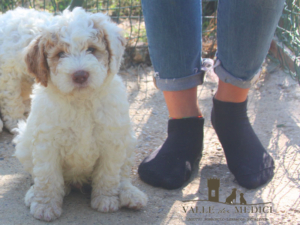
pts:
pixel 80 76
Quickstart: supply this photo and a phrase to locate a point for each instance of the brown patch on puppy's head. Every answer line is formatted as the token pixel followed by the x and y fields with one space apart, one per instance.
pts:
pixel 113 38
pixel 36 60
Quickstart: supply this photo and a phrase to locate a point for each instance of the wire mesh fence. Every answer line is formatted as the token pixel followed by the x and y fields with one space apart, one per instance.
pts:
pixel 127 13
pixel 288 33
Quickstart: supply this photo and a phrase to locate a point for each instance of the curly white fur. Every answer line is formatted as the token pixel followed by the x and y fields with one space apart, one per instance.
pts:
pixel 77 132
pixel 17 29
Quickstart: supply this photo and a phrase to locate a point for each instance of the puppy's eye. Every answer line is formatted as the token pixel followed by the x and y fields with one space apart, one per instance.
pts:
pixel 91 50
pixel 61 54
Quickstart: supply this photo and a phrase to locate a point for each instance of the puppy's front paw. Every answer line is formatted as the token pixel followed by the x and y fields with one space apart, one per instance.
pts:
pixel 43 211
pixel 133 198
pixel 104 203
pixel 48 211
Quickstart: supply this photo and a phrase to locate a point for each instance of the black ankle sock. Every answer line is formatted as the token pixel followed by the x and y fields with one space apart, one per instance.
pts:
pixel 171 165
pixel 246 158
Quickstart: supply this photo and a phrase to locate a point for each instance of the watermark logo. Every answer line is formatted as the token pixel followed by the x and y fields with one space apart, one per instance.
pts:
pixel 235 204
pixel 213 185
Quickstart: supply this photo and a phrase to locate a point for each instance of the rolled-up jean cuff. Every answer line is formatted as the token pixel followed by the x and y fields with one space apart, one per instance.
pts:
pixel 226 77
pixel 178 84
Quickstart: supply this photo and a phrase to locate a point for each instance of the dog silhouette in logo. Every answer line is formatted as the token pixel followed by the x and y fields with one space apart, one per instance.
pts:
pixel 242 200
pixel 230 198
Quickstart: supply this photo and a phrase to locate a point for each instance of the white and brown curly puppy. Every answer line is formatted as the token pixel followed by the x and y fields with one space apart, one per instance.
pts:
pixel 78 130
pixel 17 29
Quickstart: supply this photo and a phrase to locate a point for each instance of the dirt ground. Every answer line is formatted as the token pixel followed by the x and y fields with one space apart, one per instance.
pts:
pixel 274 111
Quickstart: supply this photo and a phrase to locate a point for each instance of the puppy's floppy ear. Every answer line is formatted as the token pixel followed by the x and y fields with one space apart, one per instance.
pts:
pixel 36 61
pixel 115 41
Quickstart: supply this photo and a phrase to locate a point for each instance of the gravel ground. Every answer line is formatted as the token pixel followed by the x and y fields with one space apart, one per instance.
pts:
pixel 274 111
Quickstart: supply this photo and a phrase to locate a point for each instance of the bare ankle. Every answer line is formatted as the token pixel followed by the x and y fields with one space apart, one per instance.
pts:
pixel 229 93
pixel 182 103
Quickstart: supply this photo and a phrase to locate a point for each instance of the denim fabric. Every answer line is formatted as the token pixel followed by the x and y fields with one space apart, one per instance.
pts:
pixel 175 39
pixel 245 31
pixel 174 31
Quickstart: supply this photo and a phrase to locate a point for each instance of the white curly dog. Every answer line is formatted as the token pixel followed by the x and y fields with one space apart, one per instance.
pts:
pixel 78 130
pixel 17 29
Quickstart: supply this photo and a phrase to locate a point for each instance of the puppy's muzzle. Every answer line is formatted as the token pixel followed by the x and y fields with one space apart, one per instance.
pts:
pixel 80 77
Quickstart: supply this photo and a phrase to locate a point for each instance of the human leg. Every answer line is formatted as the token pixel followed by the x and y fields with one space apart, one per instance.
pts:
pixel 182 103
pixel 174 37
pixel 227 92
pixel 245 31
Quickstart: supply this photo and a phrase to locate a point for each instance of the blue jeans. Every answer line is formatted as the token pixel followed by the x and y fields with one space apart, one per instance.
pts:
pixel 174 29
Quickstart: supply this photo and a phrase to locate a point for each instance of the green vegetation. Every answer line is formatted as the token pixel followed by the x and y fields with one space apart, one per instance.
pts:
pixel 288 32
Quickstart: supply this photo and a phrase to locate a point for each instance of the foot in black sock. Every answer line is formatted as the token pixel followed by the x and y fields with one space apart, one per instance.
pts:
pixel 246 158
pixel 171 165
